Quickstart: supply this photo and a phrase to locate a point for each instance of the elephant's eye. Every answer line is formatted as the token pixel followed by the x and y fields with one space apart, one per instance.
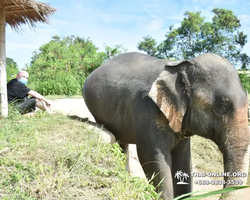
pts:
pixel 220 108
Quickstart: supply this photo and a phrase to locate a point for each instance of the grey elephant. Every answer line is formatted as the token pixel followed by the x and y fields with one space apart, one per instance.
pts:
pixel 159 104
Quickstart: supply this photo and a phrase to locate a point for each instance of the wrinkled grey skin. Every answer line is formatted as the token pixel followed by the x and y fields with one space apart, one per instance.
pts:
pixel 159 104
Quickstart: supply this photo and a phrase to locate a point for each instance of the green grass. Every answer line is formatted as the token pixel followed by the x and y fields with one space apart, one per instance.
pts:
pixel 55 157
pixel 54 97
pixel 206 155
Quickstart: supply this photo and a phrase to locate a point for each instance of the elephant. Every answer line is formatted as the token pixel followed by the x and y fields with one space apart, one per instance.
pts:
pixel 159 104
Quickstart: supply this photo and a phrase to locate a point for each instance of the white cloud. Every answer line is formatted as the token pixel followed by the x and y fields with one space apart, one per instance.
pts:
pixel 155 25
pixel 245 19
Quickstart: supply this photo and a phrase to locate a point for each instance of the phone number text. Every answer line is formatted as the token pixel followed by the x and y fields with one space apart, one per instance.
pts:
pixel 218 182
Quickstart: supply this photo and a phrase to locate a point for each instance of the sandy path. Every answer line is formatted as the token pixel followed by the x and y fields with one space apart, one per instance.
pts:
pixel 72 107
pixel 77 107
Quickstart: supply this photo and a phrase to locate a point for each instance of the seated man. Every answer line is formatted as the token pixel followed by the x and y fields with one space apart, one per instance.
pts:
pixel 18 95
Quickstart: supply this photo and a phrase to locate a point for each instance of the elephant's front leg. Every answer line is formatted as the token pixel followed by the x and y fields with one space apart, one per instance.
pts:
pixel 155 159
pixel 181 163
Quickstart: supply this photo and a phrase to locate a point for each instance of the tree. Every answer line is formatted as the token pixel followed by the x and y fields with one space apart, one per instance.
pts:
pixel 62 65
pixel 113 51
pixel 149 45
pixel 12 68
pixel 195 36
pixel 178 174
pixel 185 176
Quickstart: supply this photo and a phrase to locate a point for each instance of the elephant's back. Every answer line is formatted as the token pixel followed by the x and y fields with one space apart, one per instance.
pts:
pixel 129 71
pixel 112 89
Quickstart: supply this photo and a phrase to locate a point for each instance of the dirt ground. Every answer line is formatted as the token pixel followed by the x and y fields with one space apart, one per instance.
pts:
pixel 77 107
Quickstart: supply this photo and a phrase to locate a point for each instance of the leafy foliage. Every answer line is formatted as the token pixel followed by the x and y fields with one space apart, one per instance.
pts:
pixel 148 45
pixel 11 68
pixel 245 80
pixel 62 65
pixel 114 51
pixel 196 36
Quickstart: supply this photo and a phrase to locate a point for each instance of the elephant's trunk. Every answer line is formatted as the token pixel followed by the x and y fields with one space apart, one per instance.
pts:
pixel 236 153
pixel 237 166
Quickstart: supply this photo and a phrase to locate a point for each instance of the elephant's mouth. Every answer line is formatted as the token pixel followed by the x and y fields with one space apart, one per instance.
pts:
pixel 215 138
pixel 212 134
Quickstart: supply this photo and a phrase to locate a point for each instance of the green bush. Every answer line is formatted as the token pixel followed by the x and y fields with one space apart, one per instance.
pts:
pixel 62 65
pixel 61 83
pixel 245 80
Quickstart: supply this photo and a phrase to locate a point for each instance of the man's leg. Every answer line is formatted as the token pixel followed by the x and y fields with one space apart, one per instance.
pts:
pixel 40 104
pixel 26 106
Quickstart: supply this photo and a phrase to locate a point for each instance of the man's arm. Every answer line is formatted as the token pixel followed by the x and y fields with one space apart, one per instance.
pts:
pixel 39 96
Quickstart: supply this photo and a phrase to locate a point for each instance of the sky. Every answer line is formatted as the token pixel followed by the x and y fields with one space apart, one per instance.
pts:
pixel 115 22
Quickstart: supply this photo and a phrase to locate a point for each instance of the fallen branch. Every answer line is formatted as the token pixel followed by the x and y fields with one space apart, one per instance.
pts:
pixel 4 150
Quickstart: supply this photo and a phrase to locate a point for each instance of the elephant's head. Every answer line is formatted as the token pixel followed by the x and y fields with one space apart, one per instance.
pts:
pixel 204 96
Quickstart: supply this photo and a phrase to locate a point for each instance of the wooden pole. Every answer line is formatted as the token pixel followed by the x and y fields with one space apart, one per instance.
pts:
pixel 248 111
pixel 3 86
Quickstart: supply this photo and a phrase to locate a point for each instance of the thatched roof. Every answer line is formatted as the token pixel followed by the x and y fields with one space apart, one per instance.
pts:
pixel 29 12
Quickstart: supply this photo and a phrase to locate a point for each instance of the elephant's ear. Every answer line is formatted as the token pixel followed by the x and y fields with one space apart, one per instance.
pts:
pixel 170 92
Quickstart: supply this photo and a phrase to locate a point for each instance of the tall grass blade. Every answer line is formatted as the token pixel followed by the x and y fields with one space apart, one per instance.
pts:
pixel 212 193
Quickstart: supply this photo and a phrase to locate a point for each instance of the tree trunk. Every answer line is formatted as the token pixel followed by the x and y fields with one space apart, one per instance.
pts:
pixel 3 87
